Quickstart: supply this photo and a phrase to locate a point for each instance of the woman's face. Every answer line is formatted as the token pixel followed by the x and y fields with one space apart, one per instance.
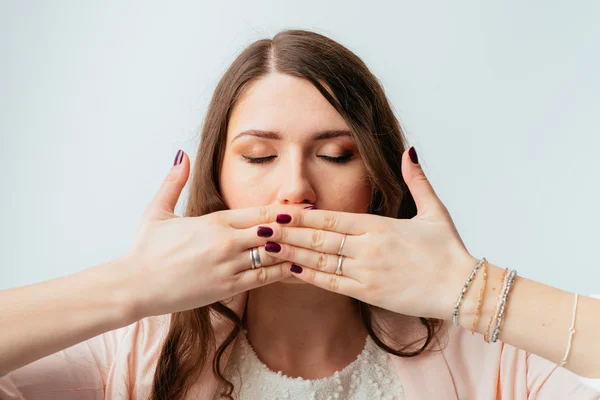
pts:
pixel 287 145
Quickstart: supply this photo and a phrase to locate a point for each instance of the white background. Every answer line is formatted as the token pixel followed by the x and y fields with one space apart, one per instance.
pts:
pixel 501 100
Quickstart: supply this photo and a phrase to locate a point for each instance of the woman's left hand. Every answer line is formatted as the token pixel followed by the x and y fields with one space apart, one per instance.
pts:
pixel 411 266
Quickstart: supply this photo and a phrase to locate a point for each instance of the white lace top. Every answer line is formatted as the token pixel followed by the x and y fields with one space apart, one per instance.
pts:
pixel 370 376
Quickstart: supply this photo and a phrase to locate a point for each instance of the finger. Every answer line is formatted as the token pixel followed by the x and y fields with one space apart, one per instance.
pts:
pixel 253 278
pixel 247 217
pixel 338 221
pixel 334 283
pixel 164 201
pixel 244 262
pixel 315 239
pixel 254 236
pixel 421 189
pixel 312 259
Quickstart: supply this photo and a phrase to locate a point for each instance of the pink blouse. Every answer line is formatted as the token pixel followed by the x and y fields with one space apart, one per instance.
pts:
pixel 120 364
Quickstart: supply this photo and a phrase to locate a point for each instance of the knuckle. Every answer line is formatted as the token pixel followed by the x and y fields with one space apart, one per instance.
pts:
pixel 331 220
pixel 299 218
pixel 265 214
pixel 421 178
pixel 322 261
pixel 311 276
pixel 334 283
pixel 284 268
pixel 284 233
pixel 291 251
pixel 317 239
pixel 262 276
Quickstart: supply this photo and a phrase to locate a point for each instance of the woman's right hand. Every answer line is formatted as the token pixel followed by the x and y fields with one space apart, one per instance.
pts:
pixel 180 263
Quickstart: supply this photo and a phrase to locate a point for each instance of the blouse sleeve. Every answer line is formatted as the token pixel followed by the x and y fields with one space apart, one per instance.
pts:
pixel 547 381
pixel 77 372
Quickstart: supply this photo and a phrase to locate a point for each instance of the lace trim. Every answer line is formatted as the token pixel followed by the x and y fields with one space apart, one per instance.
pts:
pixel 370 376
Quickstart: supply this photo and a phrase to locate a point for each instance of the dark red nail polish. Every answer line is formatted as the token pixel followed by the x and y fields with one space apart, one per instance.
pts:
pixel 264 231
pixel 272 247
pixel 178 158
pixel 310 208
pixel 296 269
pixel 413 155
pixel 283 218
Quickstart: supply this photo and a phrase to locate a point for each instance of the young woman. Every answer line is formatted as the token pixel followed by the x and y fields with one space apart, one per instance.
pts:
pixel 314 260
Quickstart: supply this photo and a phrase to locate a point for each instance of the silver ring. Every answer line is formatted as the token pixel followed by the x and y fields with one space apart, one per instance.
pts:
pixel 338 271
pixel 341 245
pixel 256 257
pixel 251 252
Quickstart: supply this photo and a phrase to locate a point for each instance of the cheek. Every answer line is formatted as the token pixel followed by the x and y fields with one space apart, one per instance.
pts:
pixel 351 194
pixel 240 186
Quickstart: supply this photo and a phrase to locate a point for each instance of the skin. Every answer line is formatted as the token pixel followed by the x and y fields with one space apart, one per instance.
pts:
pixel 390 262
pixel 295 327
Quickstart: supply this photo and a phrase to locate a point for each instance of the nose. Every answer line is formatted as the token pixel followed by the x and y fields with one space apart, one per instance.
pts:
pixel 296 185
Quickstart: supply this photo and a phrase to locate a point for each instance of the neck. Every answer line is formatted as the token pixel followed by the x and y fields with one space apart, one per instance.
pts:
pixel 295 327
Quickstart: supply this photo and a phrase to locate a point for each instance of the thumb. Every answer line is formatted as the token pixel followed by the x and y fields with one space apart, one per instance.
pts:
pixel 163 203
pixel 425 197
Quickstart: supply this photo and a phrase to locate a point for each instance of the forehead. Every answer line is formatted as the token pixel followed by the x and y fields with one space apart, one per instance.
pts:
pixel 290 105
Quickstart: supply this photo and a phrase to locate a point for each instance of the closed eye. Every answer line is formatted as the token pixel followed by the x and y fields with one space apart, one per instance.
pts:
pixel 258 160
pixel 337 160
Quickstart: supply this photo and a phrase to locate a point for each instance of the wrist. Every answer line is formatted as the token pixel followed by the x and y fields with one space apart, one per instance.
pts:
pixel 123 292
pixel 469 305
pixel 455 279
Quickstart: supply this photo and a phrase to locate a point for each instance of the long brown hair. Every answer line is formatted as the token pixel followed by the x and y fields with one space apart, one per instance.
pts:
pixel 346 82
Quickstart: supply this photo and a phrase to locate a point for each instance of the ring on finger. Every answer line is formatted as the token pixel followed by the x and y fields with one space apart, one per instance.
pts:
pixel 338 271
pixel 252 264
pixel 256 257
pixel 342 245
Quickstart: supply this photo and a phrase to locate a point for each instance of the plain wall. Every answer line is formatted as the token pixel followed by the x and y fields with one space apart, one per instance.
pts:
pixel 500 99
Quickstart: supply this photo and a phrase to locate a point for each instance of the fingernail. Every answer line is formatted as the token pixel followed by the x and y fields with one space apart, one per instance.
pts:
pixel 413 155
pixel 296 269
pixel 178 157
pixel 310 208
pixel 272 247
pixel 264 231
pixel 283 218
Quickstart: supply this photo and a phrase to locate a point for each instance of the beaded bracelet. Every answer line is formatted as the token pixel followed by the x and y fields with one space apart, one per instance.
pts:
pixel 464 290
pixel 496 309
pixel 499 300
pixel 480 298
pixel 511 279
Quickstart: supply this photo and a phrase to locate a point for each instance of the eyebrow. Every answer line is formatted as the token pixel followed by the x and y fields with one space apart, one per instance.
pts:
pixel 320 135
